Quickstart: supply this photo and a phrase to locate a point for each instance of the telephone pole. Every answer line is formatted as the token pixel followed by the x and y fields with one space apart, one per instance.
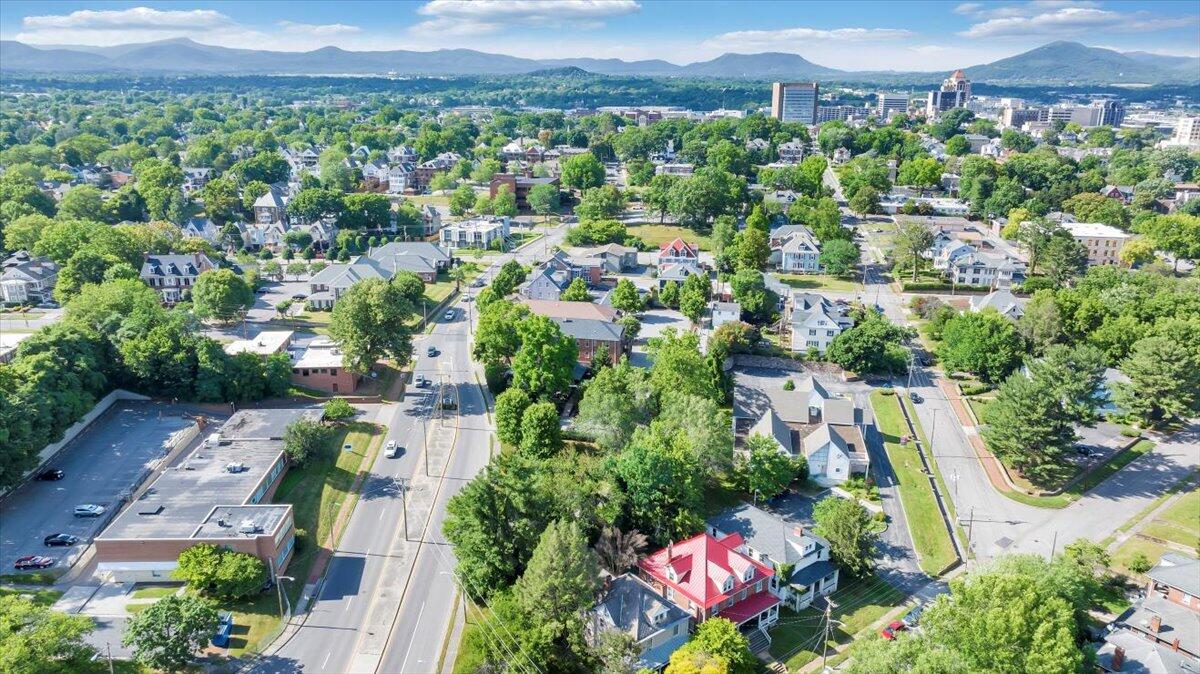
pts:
pixel 825 636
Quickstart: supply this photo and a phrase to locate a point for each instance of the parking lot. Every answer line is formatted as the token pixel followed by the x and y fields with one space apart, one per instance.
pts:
pixel 108 459
pixel 274 293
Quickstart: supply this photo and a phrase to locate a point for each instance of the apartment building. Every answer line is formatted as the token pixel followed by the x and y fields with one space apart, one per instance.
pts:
pixel 1102 242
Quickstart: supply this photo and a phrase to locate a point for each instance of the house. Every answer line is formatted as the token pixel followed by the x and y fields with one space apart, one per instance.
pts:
pixel 677 252
pixel 787 547
pixel 986 270
pixel 816 321
pixel 328 285
pixel 425 171
pixel 1185 192
pixel 835 451
pixel 545 283
pixel 431 220
pixel 398 177
pixel 614 258
pixel 486 232
pixel 1127 652
pixel 721 313
pixel 424 259
pixel 174 275
pixel 586 268
pixel 1003 301
pixel 674 169
pixel 1102 242
pixel 265 343
pixel 202 228
pixel 194 179
pixel 320 366
pixel 758 145
pixel 271 206
pixel 708 576
pixel 402 154
pixel 27 279
pixel 841 155
pixel 519 186
pixel 677 273
pixel 799 250
pixel 1122 193
pixel 630 605
pixel 791 152
pixel 1162 633
pixel 403 255
pixel 590 334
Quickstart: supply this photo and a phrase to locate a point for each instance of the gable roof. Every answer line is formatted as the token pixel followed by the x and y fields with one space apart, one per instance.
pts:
pixel 1002 301
pixel 272 198
pixel 1179 571
pixel 632 606
pixel 781 540
pixel 590 328
pixel 560 309
pixel 701 565
pixel 678 247
pixel 175 265
pixel 772 426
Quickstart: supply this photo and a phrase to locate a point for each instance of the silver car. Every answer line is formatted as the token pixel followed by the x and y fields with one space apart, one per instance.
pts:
pixel 89 510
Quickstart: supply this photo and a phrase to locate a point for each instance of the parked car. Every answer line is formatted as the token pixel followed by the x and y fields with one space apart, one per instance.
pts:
pixel 420 381
pixel 431 351
pixel 393 450
pixel 914 616
pixel 33 562
pixel 449 315
pixel 892 629
pixel 1083 450
pixel 89 510
pixel 59 540
pixel 477 283
pixel 915 397
pixel 299 296
pixel 51 475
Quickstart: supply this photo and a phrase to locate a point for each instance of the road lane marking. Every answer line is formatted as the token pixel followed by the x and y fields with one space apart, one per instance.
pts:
pixel 404 662
pixel 326 662
pixel 348 603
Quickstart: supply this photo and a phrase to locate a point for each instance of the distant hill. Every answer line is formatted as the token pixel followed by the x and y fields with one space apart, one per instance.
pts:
pixel 1071 62
pixel 1054 63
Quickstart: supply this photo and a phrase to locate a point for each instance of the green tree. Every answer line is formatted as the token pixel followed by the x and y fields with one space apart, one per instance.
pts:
pixel 873 345
pixel 543 199
pixel 316 203
pixel 983 343
pixel 680 367
pixel 364 211
pixel 1164 374
pixel 839 256
pixel 1177 234
pixel 337 410
pixel 846 524
pixel 222 202
pixel 221 295
pixel 1028 427
pixel 957 146
pixel 625 297
pixel 582 171
pixel 753 249
pixel 23 232
pixel 510 410
pixel 484 170
pixel 767 470
pixel 83 202
pixel 718 642
pixel 545 360
pixel 657 195
pixel 505 202
pixel 1040 325
pixel 462 200
pixel 1076 375
pixel 614 403
pixel 369 322
pixel 751 293
pixel 662 486
pixel 85 266
pixel 577 291
pixel 304 439
pixel 37 640
pixel 541 435
pixel 669 296
pixel 693 297
pixel 922 172
pixel 1063 258
pixel 496 336
pixel 865 201
pixel 911 242
pixel 168 634
pixel 600 203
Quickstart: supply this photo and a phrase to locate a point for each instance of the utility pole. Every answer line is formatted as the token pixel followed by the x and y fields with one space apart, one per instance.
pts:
pixel 825 637
pixel 1054 544
pixel 404 504
pixel 970 527
pixel 108 647
pixel 278 587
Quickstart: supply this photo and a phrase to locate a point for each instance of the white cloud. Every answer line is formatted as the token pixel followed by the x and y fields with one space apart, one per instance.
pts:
pixel 477 17
pixel 791 39
pixel 318 30
pixel 1075 19
pixel 136 24
pixel 968 8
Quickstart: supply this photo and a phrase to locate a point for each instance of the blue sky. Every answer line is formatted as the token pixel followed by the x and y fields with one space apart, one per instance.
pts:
pixel 852 35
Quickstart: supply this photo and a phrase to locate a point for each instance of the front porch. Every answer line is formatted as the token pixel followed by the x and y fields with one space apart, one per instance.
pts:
pixel 761 609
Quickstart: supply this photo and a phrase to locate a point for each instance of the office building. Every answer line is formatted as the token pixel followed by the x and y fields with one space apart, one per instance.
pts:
pixel 1102 242
pixel 1015 118
pixel 795 101
pixel 1187 133
pixel 886 104
pixel 955 93
pixel 1111 112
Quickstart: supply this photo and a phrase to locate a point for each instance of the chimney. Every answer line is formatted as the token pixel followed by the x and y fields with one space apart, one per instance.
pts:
pixel 1156 624
pixel 1118 659
pixel 1175 645
pixel 670 550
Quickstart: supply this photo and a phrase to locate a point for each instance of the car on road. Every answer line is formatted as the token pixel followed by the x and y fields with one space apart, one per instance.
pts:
pixel 51 475
pixel 89 510
pixel 448 403
pixel 915 397
pixel 420 381
pixel 449 315
pixel 431 351
pixel 33 562
pixel 261 290
pixel 477 283
pixel 59 540
pixel 393 450
pixel 1083 450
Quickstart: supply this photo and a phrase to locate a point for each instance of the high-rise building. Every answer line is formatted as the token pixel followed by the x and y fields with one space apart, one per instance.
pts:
pixel 885 103
pixel 1112 112
pixel 829 113
pixel 795 101
pixel 955 93
pixel 1187 132
pixel 1016 117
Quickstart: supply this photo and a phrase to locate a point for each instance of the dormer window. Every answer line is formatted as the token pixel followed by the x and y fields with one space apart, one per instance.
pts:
pixel 748 574
pixel 671 574
pixel 728 583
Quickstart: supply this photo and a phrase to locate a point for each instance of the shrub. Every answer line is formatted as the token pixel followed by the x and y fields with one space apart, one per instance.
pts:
pixel 337 410
pixel 975 389
pixel 888 392
pixel 789 385
pixel 1139 563
pixel 304 438
pixel 1130 432
pixel 1035 284
pixel 220 572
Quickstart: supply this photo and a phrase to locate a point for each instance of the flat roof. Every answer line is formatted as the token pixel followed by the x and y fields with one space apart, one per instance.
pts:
pixel 264 343
pixel 187 498
pixel 1094 229
pixel 320 353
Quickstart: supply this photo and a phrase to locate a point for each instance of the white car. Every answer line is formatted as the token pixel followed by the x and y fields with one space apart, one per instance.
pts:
pixel 392 450
pixel 450 315
pixel 89 510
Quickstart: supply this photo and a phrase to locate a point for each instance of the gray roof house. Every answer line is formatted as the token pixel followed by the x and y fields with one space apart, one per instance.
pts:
pixel 1169 613
pixel 630 605
pixel 777 541
pixel 1009 305
pixel 27 278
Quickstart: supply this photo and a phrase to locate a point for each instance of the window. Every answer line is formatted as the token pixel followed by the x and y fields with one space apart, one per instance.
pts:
pixel 758 587
pixel 812 333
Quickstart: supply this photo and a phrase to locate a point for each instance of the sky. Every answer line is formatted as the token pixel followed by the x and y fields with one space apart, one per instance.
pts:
pixel 850 35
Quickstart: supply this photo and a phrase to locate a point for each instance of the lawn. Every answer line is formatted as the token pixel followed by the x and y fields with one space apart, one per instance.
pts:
pixel 796 638
pixel 847 284
pixel 1178 524
pixel 656 235
pixel 317 491
pixel 979 406
pixel 935 549
pixel 253 620
pixel 471 654
pixel 1091 480
pixel 155 592
pixel 39 597
pixel 1127 550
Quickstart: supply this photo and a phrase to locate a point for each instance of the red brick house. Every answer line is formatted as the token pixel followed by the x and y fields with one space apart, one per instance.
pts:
pixel 708 577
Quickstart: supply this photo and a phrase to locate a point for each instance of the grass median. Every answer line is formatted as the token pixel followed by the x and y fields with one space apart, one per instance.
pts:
pixel 935 549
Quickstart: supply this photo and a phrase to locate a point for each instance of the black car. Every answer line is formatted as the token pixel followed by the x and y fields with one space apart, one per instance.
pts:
pixel 916 397
pixel 59 540
pixel 51 475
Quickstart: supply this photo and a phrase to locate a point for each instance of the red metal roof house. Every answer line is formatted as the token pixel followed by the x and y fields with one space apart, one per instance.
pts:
pixel 708 577
pixel 678 252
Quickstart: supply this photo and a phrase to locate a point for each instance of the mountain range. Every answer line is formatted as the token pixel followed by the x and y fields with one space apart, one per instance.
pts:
pixel 1057 62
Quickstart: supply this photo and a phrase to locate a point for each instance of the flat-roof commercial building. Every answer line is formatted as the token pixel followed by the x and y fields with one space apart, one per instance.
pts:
pixel 795 101
pixel 1102 242
pixel 217 494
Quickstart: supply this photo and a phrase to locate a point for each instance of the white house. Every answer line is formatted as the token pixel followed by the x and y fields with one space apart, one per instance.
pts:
pixel 816 321
pixel 724 312
pixel 475 233
pixel 799 251
pixel 545 283
pixel 677 252
pixel 27 278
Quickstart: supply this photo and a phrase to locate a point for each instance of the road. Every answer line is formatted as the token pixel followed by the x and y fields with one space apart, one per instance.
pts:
pixel 386 601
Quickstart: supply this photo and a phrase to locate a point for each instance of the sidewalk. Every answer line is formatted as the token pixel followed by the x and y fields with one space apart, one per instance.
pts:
pixel 991 465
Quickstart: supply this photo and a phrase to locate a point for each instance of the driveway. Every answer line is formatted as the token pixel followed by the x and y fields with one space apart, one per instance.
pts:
pixel 276 292
pixel 654 323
